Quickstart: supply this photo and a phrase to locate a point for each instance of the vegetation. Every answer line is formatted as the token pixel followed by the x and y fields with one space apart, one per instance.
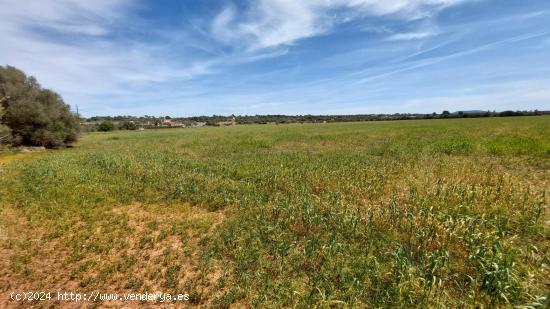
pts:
pixel 428 213
pixel 128 125
pixel 36 116
pixel 5 134
pixel 106 126
pixel 215 120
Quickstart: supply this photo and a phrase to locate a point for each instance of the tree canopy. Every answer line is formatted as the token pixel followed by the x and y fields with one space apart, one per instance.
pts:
pixel 35 116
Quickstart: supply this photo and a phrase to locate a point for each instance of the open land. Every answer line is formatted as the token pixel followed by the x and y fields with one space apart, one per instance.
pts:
pixel 420 213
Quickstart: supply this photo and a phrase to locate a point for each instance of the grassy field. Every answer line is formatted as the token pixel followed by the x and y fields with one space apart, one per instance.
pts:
pixel 427 213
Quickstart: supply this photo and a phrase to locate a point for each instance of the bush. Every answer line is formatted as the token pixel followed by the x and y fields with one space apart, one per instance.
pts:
pixel 106 126
pixel 128 125
pixel 35 116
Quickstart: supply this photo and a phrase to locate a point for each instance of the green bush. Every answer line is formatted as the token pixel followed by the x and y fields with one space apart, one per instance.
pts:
pixel 128 125
pixel 35 116
pixel 106 126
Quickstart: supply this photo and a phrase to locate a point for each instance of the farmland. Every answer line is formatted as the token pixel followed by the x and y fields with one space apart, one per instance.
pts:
pixel 426 213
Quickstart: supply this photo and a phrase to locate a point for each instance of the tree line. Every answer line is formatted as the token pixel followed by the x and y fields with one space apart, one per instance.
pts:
pixel 108 123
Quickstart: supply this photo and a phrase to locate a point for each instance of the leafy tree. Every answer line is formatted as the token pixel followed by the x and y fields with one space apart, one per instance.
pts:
pixel 36 116
pixel 128 125
pixel 106 126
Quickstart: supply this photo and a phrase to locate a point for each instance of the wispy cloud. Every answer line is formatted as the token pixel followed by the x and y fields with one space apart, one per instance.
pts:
pixel 277 56
pixel 271 23
pixel 433 60
pixel 406 36
pixel 68 46
pixel 67 16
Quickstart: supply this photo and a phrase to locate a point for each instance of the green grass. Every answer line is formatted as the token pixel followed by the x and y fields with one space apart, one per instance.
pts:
pixel 427 213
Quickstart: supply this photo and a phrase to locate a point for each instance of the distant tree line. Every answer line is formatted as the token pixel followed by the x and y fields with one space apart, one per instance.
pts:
pixel 31 115
pixel 108 123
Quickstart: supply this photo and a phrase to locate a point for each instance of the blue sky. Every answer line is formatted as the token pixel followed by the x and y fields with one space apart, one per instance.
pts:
pixel 183 57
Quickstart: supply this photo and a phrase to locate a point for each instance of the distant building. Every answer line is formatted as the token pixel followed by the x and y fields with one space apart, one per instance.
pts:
pixel 171 123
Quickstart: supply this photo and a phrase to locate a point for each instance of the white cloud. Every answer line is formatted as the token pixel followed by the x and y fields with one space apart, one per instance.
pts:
pixel 407 36
pixel 80 49
pixel 66 45
pixel 69 16
pixel 271 23
pixel 433 60
pixel 220 27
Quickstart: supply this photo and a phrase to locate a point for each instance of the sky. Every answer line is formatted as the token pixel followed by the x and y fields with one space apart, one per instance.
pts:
pixel 294 57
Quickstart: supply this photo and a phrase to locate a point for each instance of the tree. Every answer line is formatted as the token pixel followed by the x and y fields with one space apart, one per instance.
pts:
pixel 36 116
pixel 128 125
pixel 510 113
pixel 106 126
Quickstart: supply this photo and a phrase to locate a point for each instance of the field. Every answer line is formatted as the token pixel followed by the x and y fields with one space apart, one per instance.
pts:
pixel 425 213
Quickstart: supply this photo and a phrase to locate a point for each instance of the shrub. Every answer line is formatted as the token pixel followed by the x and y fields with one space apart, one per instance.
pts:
pixel 35 116
pixel 128 125
pixel 106 126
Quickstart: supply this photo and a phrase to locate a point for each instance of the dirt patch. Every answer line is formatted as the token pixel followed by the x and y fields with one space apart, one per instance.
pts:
pixel 129 249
